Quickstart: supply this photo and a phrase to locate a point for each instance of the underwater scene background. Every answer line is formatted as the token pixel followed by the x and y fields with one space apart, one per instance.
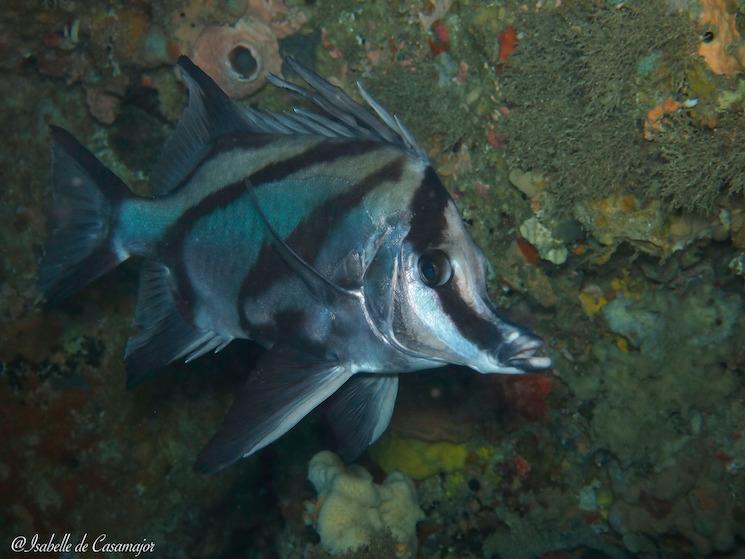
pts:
pixel 596 149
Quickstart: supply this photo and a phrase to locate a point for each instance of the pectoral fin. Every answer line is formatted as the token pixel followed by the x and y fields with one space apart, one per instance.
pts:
pixel 286 386
pixel 361 410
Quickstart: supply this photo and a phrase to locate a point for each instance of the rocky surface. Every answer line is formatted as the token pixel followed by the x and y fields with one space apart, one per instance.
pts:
pixel 595 150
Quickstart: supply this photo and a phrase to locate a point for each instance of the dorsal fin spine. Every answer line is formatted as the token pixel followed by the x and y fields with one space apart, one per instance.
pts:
pixel 210 114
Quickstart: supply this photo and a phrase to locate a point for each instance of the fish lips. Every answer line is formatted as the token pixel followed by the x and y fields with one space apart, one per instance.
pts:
pixel 520 353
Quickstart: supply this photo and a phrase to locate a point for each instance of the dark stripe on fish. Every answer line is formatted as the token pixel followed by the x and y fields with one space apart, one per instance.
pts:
pixel 428 225
pixel 469 323
pixel 171 248
pixel 325 152
pixel 428 222
pixel 307 238
pixel 224 144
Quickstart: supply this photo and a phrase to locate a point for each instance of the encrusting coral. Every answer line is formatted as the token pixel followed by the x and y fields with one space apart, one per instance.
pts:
pixel 352 511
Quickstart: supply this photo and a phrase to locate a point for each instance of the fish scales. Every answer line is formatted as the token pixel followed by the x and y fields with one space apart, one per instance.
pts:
pixel 253 268
pixel 224 218
pixel 326 237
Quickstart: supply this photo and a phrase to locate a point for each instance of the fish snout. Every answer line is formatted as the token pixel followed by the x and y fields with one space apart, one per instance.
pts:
pixel 521 352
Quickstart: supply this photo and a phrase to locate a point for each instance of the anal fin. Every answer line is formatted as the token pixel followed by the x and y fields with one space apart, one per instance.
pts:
pixel 361 410
pixel 287 385
pixel 165 335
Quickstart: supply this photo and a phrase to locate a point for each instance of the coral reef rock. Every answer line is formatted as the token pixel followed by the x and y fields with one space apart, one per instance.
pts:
pixel 352 511
pixel 646 225
pixel 543 240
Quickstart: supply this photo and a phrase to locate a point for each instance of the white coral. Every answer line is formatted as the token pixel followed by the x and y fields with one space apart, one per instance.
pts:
pixel 353 510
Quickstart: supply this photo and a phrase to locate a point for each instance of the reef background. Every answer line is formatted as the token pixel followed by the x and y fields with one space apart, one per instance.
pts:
pixel 596 149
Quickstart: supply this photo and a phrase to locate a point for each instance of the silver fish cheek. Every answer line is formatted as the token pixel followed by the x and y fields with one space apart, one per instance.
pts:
pixel 380 293
pixel 418 322
pixel 356 338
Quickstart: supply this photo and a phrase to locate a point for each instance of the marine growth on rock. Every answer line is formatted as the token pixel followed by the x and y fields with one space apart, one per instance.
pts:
pixel 239 56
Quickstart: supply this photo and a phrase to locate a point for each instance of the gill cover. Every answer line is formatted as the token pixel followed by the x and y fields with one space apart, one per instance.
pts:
pixel 382 285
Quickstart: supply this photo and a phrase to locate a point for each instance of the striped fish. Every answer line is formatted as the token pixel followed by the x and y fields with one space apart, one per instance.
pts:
pixel 327 237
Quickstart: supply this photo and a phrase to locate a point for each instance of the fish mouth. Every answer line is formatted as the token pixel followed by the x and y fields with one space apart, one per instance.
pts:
pixel 521 351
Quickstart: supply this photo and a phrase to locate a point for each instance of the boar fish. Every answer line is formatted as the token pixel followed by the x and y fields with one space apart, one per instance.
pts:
pixel 325 236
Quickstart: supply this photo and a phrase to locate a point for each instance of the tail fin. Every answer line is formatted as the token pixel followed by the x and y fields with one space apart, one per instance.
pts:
pixel 86 194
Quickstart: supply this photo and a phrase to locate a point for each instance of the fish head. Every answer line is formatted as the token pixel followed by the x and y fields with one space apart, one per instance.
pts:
pixel 438 303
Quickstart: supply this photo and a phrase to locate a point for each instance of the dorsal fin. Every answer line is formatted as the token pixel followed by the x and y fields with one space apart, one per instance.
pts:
pixel 209 114
pixel 353 118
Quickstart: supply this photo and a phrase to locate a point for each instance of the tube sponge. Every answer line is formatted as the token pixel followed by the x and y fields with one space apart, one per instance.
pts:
pixel 352 510
pixel 239 56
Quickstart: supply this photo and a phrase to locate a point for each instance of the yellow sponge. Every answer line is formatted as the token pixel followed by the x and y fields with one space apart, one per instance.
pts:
pixel 417 459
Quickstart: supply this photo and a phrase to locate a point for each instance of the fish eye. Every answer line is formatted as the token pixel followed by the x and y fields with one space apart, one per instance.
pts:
pixel 434 268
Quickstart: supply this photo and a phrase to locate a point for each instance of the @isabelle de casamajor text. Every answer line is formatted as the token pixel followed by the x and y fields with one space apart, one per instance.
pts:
pixel 85 543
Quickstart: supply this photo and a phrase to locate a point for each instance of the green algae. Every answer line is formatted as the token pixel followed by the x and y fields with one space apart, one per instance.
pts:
pixel 416 95
pixel 661 377
pixel 701 164
pixel 385 47
pixel 382 547
pixel 579 87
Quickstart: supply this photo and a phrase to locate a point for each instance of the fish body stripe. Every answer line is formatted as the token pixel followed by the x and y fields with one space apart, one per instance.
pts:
pixel 428 220
pixel 225 244
pixel 307 239
pixel 229 142
pixel 428 226
pixel 171 247
pixel 473 327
